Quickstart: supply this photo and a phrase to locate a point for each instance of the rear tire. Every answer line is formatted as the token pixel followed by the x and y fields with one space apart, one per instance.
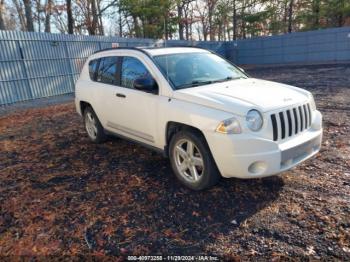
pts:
pixel 93 127
pixel 191 160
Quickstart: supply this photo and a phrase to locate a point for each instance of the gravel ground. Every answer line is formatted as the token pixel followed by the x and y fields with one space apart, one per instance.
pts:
pixel 62 195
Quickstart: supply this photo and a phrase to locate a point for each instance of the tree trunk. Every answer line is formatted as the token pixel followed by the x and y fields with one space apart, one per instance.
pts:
pixel 181 26
pixel 205 34
pixel 285 15
pixel 290 16
pixel 316 14
pixel 93 27
pixel 186 17
pixel 38 13
pixel 29 15
pixel 190 28
pixel 120 24
pixel 70 20
pixel 211 7
pixel 228 31
pixel 243 24
pixel 100 23
pixel 234 20
pixel 2 23
pixel 187 31
pixel 48 16
pixel 136 27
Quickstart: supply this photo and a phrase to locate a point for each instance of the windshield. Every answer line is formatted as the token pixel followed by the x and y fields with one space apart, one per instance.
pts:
pixel 193 69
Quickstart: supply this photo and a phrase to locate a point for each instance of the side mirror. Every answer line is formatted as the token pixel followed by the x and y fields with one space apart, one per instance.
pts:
pixel 146 84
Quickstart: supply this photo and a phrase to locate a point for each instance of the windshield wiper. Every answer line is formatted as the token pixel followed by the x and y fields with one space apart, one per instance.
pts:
pixel 206 82
pixel 226 79
pixel 195 83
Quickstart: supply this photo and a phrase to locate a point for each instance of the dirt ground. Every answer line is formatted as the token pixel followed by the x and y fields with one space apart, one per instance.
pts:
pixel 62 195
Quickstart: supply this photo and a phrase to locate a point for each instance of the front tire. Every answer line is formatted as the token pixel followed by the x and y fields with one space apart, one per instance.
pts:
pixel 191 160
pixel 93 126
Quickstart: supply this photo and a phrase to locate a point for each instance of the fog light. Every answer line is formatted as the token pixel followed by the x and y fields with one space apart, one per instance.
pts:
pixel 257 168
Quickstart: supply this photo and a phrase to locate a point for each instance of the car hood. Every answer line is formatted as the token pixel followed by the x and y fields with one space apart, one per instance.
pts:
pixel 239 96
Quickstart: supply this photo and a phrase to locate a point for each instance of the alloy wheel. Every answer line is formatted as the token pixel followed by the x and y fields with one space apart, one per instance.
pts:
pixel 188 159
pixel 91 125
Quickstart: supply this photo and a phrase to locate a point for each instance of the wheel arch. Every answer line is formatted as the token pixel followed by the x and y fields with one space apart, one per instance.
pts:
pixel 173 127
pixel 83 105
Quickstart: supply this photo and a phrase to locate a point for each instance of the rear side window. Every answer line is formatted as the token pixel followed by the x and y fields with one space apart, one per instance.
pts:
pixel 132 69
pixel 108 70
pixel 93 68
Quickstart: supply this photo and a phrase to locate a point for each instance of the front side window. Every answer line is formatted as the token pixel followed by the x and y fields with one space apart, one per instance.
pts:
pixel 132 69
pixel 193 69
pixel 108 70
pixel 93 68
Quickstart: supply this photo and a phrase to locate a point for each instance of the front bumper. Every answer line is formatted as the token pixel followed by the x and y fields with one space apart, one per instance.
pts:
pixel 249 156
pixel 77 106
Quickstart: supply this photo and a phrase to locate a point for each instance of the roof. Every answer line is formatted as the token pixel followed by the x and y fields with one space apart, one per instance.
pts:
pixel 154 51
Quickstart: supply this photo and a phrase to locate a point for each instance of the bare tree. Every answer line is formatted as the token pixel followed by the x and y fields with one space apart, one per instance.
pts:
pixel 120 22
pixel 203 17
pixel 29 15
pixel 37 13
pixel 290 16
pixel 59 19
pixel 234 19
pixel 48 13
pixel 21 16
pixel 211 4
pixel 70 20
pixel 188 13
pixel 100 23
pixel 179 6
pixel 92 26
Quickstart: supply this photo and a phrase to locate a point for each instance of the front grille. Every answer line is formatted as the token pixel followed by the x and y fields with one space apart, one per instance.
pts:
pixel 291 121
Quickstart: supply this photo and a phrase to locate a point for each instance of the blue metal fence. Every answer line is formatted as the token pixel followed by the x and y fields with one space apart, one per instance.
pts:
pixel 328 45
pixel 35 65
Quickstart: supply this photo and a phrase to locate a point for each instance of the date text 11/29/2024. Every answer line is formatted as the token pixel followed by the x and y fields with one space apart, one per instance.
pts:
pixel 172 258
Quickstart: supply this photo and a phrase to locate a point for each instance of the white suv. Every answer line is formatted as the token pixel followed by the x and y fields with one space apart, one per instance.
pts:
pixel 208 116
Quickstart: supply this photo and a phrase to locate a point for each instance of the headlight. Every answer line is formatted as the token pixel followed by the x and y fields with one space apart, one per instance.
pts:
pixel 254 120
pixel 229 126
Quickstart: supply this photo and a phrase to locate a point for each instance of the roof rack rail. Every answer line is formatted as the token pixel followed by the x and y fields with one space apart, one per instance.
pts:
pixel 142 48
pixel 116 48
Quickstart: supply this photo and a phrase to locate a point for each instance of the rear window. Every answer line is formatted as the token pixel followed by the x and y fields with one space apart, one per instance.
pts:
pixel 93 68
pixel 108 70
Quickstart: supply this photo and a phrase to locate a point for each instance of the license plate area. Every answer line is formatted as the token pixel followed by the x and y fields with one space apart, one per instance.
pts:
pixel 299 152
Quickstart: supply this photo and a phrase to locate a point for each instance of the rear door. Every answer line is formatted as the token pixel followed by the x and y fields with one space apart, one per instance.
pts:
pixel 133 113
pixel 106 82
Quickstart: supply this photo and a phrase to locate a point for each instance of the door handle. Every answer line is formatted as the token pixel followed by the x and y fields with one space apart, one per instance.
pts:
pixel 120 95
